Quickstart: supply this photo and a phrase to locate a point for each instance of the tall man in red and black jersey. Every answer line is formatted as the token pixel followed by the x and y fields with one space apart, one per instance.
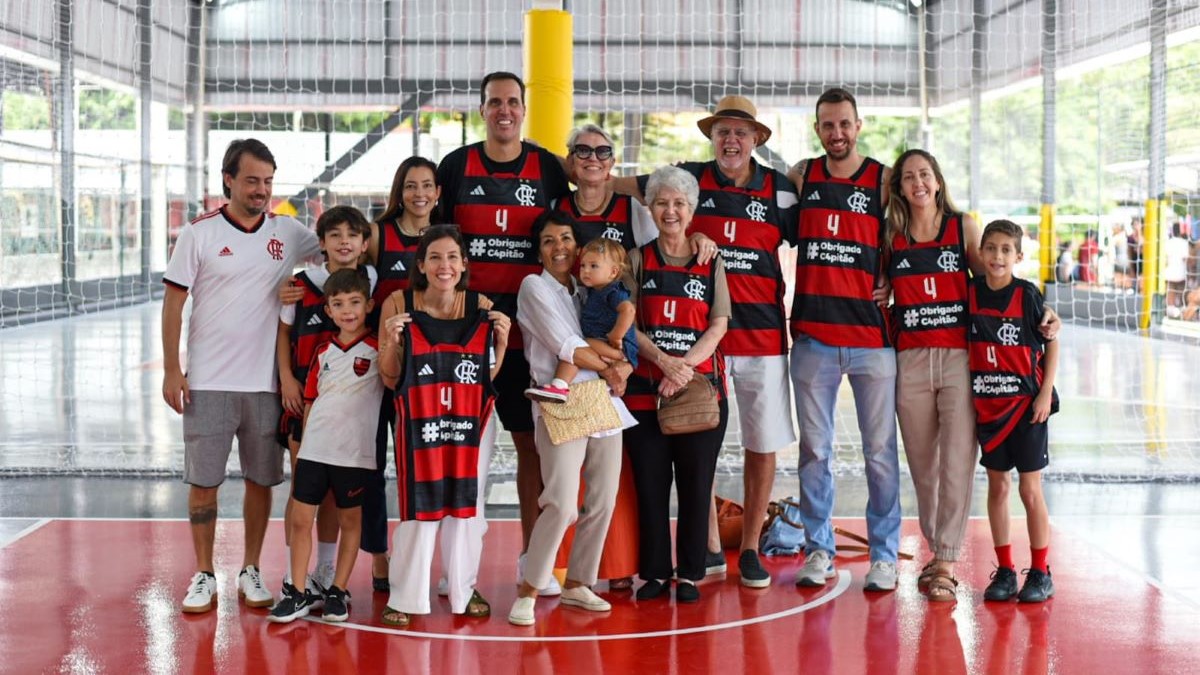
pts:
pixel 839 329
pixel 494 190
pixel 748 210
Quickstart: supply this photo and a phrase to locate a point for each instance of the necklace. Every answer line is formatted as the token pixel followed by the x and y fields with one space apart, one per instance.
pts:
pixel 592 210
pixel 405 231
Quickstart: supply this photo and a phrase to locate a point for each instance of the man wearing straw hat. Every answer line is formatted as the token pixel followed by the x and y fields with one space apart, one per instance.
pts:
pixel 747 208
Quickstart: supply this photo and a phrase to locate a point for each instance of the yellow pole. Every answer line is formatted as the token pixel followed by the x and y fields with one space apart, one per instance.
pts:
pixel 1046 248
pixel 549 77
pixel 1150 261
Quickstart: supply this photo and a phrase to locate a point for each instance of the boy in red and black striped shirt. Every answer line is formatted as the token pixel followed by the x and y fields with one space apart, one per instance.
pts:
pixel 1012 376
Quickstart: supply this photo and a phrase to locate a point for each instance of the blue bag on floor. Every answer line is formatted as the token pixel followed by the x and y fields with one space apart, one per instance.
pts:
pixel 783 534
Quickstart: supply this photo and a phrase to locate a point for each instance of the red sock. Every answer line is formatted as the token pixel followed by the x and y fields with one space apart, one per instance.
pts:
pixel 1039 559
pixel 1004 556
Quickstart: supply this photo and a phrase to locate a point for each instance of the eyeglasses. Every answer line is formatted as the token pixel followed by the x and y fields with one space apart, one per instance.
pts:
pixel 602 152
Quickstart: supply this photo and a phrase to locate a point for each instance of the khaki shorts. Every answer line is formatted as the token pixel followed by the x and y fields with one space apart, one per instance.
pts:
pixel 210 423
pixel 762 398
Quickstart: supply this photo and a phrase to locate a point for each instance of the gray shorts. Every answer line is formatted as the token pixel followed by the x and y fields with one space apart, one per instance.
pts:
pixel 210 423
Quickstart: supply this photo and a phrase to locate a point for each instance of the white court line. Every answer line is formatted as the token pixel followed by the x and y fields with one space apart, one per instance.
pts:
pixel 25 532
pixel 842 584
pixel 1145 576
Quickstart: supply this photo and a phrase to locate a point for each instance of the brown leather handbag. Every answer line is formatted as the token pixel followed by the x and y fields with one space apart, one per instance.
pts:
pixel 693 408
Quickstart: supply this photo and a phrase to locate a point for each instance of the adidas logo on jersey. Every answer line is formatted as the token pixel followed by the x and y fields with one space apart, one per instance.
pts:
pixel 224 252
pixel 314 320
pixel 708 204
pixel 425 371
pixel 815 196
pixel 478 191
pixel 650 285
pixel 399 266
pixel 904 265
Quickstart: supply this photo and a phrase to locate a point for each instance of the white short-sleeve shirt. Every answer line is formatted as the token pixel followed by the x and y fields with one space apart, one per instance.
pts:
pixel 233 277
pixel 345 389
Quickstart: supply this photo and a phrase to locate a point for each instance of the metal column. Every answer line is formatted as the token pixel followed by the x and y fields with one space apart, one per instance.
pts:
pixel 65 123
pixel 146 37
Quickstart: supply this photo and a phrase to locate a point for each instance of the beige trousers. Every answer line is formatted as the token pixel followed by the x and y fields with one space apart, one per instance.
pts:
pixel 600 460
pixel 937 425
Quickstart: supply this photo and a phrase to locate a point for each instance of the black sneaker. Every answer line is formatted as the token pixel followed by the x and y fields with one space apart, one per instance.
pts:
pixel 653 589
pixel 1038 587
pixel 293 605
pixel 1003 586
pixel 714 563
pixel 685 592
pixel 753 574
pixel 337 603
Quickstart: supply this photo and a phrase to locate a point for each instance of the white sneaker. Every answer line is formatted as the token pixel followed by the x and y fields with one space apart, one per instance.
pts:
pixel 552 589
pixel 881 576
pixel 323 576
pixel 201 594
pixel 252 590
pixel 315 591
pixel 818 568
pixel 584 598
pixel 521 613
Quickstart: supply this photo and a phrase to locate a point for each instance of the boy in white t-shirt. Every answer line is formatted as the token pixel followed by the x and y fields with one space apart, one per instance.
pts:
pixel 337 451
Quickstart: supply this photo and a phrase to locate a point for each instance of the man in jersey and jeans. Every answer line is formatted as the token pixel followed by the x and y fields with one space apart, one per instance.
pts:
pixel 748 210
pixel 494 190
pixel 231 261
pixel 839 329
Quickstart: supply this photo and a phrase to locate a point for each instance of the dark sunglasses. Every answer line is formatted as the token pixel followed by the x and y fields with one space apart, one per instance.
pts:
pixel 602 152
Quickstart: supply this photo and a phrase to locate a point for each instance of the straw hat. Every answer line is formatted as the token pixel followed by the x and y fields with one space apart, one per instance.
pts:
pixel 735 108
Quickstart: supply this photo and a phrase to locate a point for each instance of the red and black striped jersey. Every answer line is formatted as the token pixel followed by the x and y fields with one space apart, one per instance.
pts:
pixel 495 211
pixel 839 255
pixel 396 254
pixel 673 304
pixel 615 223
pixel 749 225
pixel 443 405
pixel 1006 353
pixel 311 328
pixel 929 280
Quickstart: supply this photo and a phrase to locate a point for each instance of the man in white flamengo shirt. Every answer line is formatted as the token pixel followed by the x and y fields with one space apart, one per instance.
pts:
pixel 231 261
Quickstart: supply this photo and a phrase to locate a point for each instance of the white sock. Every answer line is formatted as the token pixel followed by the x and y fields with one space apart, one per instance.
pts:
pixel 326 552
pixel 556 382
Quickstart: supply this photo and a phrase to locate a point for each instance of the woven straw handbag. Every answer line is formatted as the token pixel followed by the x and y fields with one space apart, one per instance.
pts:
pixel 588 410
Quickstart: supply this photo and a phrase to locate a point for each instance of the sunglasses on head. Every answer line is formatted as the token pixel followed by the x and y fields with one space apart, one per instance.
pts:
pixel 602 152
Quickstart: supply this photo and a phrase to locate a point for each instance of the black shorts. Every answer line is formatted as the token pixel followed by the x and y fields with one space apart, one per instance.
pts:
pixel 1026 449
pixel 313 480
pixel 516 411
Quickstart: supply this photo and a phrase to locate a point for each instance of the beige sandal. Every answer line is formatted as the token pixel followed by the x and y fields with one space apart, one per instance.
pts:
pixel 394 617
pixel 943 588
pixel 928 572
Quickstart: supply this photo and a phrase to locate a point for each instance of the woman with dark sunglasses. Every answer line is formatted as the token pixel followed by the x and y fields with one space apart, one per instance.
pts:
pixel 598 211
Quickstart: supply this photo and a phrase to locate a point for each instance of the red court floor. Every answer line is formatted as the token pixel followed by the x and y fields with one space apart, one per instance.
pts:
pixel 102 595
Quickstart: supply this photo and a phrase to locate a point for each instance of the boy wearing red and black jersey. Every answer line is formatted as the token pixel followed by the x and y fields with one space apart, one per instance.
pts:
pixel 303 328
pixel 1012 377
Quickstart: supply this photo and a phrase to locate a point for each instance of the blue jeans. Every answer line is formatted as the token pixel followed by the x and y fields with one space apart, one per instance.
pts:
pixel 817 371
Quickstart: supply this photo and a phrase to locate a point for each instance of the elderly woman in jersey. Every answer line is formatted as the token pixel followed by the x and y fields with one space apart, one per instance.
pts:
pixel 548 308
pixel 436 349
pixel 933 249
pixel 683 312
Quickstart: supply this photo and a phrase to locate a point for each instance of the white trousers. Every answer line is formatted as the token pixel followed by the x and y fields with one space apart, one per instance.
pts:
pixel 414 542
